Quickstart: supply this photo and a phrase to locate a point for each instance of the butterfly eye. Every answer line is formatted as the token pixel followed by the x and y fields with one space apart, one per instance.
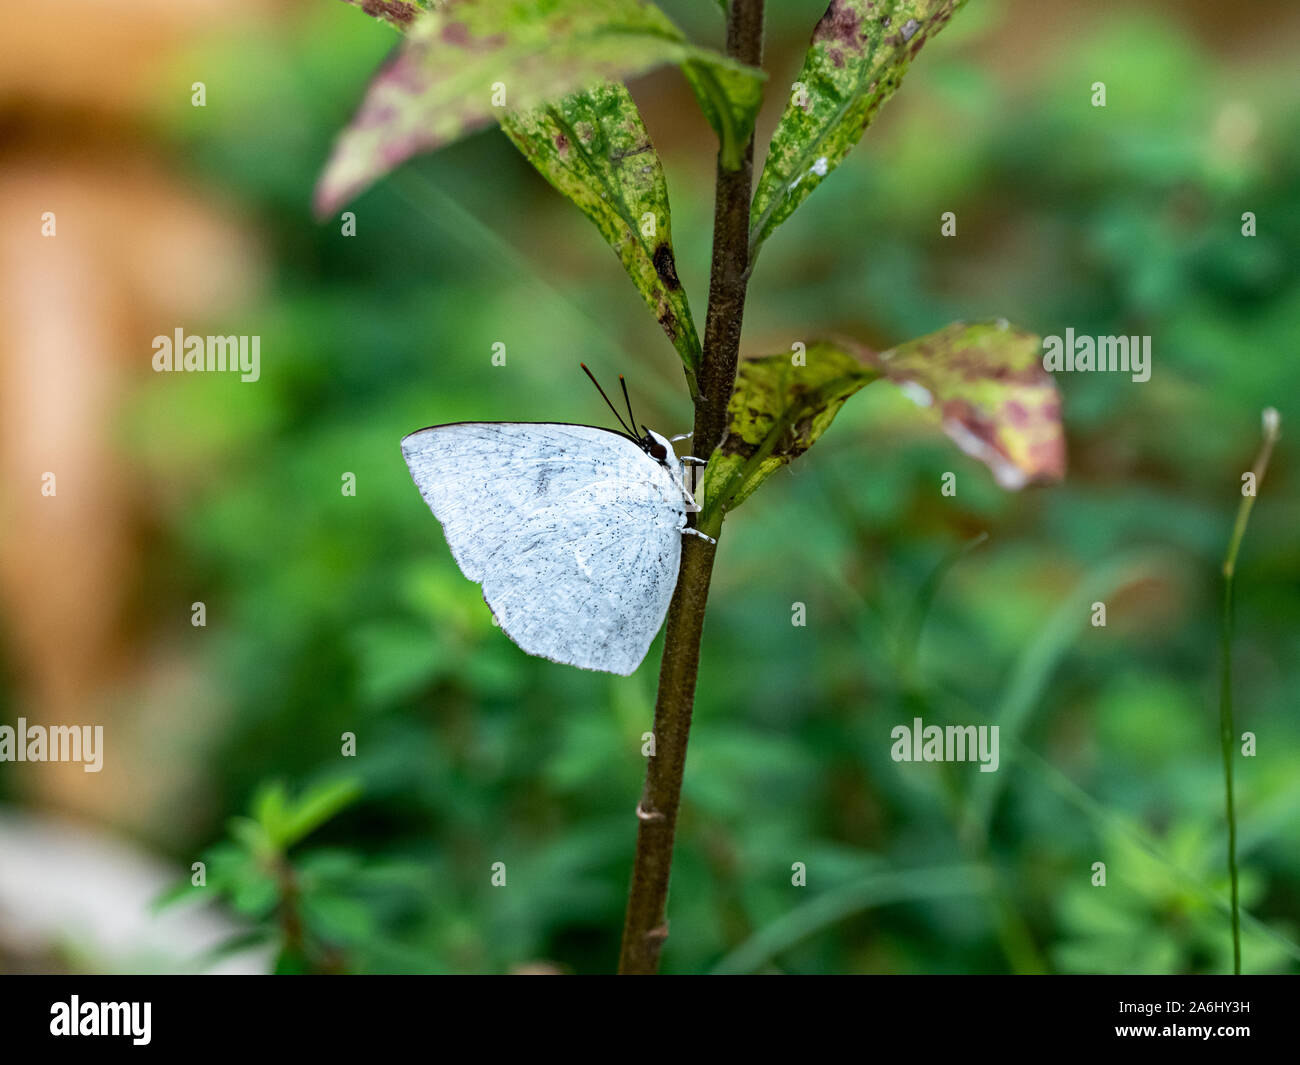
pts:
pixel 658 451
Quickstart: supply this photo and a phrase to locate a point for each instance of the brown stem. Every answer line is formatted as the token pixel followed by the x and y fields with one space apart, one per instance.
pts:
pixel 645 926
pixel 729 275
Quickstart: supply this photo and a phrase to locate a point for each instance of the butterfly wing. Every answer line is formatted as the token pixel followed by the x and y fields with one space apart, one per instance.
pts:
pixel 572 530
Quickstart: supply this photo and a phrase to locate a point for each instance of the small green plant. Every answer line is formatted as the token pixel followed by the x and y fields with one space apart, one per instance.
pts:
pixel 1227 728
pixel 314 908
pixel 552 74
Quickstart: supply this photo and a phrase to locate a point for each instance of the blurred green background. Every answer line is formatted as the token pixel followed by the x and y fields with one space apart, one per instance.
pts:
pixel 330 614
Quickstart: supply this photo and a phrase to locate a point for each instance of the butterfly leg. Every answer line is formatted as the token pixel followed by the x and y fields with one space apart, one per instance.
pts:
pixel 693 460
pixel 692 507
pixel 681 436
pixel 688 531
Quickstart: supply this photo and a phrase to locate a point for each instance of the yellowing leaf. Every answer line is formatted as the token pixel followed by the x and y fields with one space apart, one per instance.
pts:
pixel 983 384
pixel 466 62
pixel 594 148
pixel 777 412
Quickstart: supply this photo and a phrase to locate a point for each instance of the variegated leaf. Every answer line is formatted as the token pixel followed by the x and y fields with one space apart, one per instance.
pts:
pixel 984 384
pixel 594 148
pixel 859 52
pixel 465 62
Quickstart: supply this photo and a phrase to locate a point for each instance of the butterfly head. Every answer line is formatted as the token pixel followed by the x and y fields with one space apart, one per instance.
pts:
pixel 657 447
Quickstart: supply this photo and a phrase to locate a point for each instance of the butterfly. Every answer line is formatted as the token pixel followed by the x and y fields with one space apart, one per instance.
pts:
pixel 574 532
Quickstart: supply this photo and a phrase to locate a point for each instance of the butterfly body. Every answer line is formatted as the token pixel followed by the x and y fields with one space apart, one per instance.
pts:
pixel 573 531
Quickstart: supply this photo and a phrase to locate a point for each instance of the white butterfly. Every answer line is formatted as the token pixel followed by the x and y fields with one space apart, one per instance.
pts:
pixel 573 531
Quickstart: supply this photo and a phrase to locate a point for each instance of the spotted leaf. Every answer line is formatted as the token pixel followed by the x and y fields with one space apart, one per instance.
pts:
pixel 983 384
pixel 398 13
pixel 464 63
pixel 594 148
pixel 859 52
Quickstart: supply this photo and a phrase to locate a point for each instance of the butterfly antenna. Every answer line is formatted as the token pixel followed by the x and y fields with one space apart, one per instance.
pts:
pixel 606 399
pixel 631 417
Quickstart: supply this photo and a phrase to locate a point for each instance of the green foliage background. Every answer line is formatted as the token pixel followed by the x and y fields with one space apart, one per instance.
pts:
pixel 348 614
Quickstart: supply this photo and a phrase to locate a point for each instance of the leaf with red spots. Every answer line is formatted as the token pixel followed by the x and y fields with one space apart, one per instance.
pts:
pixel 594 148
pixel 983 384
pixel 859 52
pixel 465 62
pixel 399 13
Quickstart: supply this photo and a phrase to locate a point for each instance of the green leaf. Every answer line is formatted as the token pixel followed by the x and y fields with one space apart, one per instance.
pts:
pixel 316 807
pixel 859 52
pixel 338 918
pixel 269 809
pixel 777 412
pixel 291 962
pixel 878 888
pixel 983 384
pixel 255 895
pixel 594 148
pixel 251 835
pixel 236 944
pixel 730 97
pixel 443 81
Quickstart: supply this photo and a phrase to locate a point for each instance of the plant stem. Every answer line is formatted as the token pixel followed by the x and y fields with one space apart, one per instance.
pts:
pixel 645 926
pixel 729 274
pixel 1226 731
pixel 1227 728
